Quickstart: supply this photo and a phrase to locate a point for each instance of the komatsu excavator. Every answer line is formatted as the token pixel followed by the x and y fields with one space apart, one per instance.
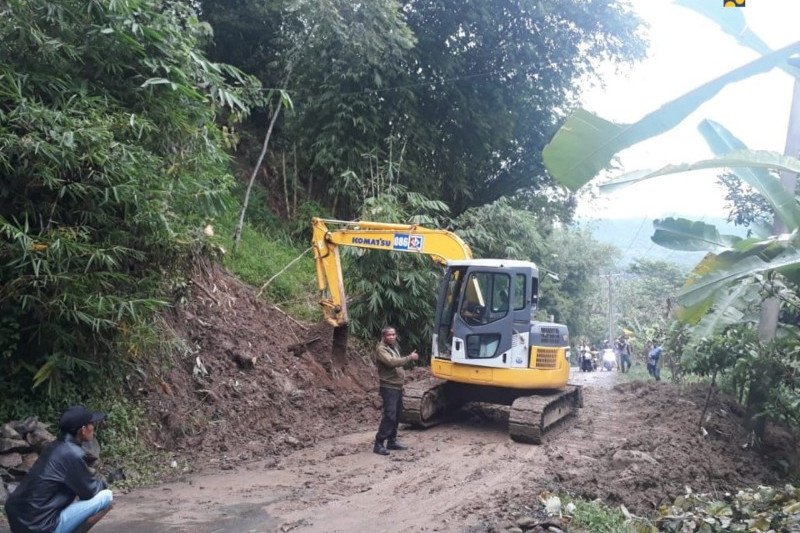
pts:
pixel 487 346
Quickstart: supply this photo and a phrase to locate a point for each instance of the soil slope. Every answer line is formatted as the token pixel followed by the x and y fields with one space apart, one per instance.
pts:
pixel 215 407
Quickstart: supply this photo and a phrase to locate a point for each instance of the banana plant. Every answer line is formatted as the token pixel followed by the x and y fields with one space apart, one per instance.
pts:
pixel 733 259
pixel 586 144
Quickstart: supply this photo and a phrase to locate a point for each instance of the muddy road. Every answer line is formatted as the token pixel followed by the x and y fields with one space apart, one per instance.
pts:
pixel 636 444
pixel 452 479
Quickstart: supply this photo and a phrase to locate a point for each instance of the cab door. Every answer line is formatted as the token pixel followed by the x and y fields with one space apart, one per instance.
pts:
pixel 483 322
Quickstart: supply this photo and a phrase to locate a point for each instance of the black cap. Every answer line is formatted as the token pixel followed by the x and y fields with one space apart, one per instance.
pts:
pixel 78 416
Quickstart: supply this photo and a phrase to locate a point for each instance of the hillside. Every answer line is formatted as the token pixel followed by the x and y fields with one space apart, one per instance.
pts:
pixel 257 382
pixel 274 435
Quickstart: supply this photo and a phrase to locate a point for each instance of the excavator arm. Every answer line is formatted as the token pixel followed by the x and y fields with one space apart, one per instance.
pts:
pixel 440 245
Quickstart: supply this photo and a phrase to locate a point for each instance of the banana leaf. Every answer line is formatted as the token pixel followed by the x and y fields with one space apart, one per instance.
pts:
pixel 586 143
pixel 732 22
pixel 688 235
pixel 724 311
pixel 749 265
pixel 763 159
pixel 783 203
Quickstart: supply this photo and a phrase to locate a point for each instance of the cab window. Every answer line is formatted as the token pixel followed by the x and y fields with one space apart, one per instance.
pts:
pixel 485 298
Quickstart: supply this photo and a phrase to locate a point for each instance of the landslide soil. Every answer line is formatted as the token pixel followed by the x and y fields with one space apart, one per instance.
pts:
pixel 286 445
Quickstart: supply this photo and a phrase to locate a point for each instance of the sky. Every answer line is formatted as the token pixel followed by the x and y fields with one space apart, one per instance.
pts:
pixel 685 51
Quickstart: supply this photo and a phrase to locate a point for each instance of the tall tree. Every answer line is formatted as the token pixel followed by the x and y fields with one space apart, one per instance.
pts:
pixel 494 80
pixel 468 92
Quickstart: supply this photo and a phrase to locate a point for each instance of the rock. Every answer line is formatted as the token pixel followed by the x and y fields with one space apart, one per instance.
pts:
pixel 627 457
pixel 7 432
pixel 39 437
pixel 23 427
pixel 28 460
pixel 14 445
pixel 10 460
pixel 526 522
pixel 116 474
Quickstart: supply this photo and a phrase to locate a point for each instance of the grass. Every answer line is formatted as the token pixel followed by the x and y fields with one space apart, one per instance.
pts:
pixel 124 448
pixel 263 253
pixel 638 372
pixel 597 517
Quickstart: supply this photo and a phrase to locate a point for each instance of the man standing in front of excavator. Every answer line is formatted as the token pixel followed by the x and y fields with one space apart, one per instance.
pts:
pixel 390 373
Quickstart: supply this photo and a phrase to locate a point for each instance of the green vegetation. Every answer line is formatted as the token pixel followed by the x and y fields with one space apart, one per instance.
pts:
pixel 596 517
pixel 263 253
pixel 117 126
pixel 121 438
pixel 113 156
pixel 738 308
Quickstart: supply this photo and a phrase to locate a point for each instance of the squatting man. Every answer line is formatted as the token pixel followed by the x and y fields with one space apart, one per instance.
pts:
pixel 59 494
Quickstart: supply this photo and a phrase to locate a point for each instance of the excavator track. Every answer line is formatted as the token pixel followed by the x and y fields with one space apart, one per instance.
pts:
pixel 532 416
pixel 424 402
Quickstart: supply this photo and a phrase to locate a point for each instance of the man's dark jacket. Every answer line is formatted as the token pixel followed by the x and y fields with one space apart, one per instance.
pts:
pixel 58 476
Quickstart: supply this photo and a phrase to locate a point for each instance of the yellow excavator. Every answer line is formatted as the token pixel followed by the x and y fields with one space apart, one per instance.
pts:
pixel 487 346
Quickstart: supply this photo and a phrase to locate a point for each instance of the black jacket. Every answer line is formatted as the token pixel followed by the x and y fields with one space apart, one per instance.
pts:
pixel 58 476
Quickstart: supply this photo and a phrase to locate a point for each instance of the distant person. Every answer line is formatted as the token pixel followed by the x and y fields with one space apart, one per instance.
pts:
pixel 623 349
pixel 390 373
pixel 59 493
pixel 653 359
pixel 585 354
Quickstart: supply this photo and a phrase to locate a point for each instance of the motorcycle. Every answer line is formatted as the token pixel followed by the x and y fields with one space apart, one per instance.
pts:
pixel 609 360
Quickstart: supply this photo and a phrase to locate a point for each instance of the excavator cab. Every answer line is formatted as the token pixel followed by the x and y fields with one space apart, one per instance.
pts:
pixel 484 308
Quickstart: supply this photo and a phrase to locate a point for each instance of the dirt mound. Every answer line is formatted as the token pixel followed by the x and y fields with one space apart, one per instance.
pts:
pixel 652 447
pixel 242 393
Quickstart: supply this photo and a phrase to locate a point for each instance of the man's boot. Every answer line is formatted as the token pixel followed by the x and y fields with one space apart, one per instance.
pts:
pixel 380 449
pixel 394 445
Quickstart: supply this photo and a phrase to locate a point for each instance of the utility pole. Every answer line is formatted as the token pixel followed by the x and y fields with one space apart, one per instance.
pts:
pixel 610 311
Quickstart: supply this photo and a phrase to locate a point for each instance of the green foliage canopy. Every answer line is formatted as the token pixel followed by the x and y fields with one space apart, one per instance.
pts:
pixel 110 160
pixel 471 90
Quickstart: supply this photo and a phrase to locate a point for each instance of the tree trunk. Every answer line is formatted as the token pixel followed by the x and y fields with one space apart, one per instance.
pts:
pixel 237 234
pixel 708 397
pixel 285 187
pixel 770 308
pixel 295 181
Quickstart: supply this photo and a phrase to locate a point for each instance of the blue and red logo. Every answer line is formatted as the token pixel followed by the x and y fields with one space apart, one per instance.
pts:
pixel 404 241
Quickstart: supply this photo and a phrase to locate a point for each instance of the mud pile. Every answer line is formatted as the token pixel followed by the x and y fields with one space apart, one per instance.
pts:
pixel 240 392
pixel 641 445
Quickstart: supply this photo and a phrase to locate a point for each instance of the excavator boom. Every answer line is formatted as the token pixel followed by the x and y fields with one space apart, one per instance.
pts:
pixel 440 245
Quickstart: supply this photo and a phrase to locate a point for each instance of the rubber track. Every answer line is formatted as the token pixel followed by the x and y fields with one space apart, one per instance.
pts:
pixel 424 403
pixel 532 416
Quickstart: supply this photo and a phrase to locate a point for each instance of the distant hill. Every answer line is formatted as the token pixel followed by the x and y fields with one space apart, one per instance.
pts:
pixel 632 237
